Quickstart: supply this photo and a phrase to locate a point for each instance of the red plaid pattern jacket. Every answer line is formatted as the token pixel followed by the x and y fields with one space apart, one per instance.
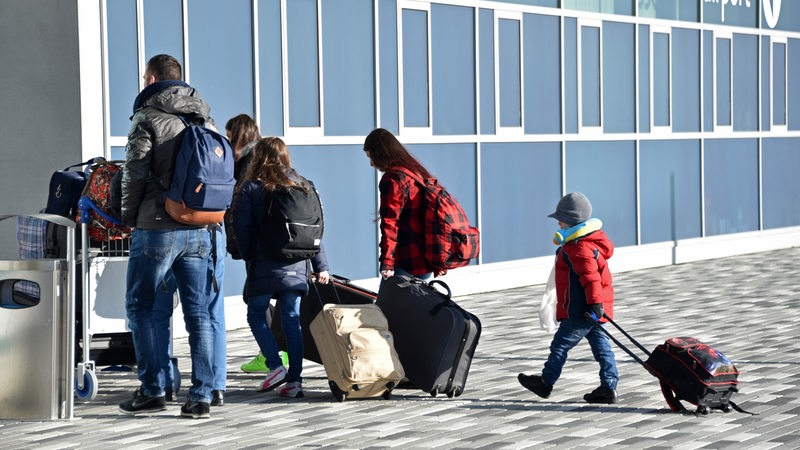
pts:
pixel 402 224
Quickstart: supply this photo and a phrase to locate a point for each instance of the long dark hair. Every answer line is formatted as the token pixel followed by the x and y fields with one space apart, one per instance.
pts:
pixel 244 130
pixel 271 166
pixel 386 152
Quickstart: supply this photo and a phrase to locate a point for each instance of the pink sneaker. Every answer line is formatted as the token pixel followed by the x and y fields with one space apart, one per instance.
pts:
pixel 292 389
pixel 274 379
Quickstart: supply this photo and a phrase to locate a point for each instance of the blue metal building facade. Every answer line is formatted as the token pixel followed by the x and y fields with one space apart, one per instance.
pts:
pixel 680 120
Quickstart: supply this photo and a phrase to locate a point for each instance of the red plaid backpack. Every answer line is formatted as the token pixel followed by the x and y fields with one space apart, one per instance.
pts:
pixel 95 205
pixel 450 241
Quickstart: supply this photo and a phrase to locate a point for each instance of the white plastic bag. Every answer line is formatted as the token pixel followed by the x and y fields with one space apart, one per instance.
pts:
pixel 547 310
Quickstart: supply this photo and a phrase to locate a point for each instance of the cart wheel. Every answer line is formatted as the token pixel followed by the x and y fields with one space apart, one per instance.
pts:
pixel 338 394
pixel 89 389
pixel 176 376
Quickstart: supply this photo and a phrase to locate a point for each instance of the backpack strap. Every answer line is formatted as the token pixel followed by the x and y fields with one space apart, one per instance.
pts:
pixel 674 404
pixel 214 229
pixel 739 409
pixel 410 174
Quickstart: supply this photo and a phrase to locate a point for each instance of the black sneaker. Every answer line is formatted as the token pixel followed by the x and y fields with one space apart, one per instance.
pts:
pixel 601 395
pixel 217 398
pixel 535 384
pixel 141 404
pixel 196 410
pixel 169 395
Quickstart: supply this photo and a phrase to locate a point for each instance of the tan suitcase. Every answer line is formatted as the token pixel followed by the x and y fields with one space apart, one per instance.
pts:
pixel 357 351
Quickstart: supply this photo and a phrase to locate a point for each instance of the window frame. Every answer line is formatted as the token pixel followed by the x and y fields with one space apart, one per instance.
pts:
pixel 660 129
pixel 590 23
pixel 779 40
pixel 501 130
pixel 296 132
pixel 405 130
pixel 718 35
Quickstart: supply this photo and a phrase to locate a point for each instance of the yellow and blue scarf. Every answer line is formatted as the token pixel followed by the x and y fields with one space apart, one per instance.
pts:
pixel 577 231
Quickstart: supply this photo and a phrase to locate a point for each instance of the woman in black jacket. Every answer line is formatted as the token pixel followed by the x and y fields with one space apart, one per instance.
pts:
pixel 269 276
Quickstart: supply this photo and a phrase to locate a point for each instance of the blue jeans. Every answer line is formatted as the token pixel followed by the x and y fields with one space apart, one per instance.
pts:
pixel 153 254
pixel 257 307
pixel 569 333
pixel 162 313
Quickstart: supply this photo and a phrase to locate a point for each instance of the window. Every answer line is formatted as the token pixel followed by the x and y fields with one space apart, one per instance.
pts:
pixel 590 97
pixel 722 80
pixel 685 81
pixel 619 83
pixel 542 69
pixel 660 72
pixel 348 57
pixel 453 70
pixel 415 67
pixel 217 61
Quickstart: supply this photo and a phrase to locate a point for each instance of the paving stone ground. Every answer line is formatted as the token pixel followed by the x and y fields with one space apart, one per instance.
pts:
pixel 747 306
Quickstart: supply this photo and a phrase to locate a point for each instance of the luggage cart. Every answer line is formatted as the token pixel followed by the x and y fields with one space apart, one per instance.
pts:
pixel 103 287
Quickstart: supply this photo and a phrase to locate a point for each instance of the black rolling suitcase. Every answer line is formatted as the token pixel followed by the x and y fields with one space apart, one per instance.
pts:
pixel 434 337
pixel 690 370
pixel 338 291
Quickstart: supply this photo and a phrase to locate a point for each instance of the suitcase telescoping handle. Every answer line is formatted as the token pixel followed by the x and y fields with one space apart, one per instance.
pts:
pixel 313 282
pixel 624 347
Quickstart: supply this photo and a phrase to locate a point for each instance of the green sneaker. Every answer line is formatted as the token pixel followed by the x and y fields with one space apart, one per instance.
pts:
pixel 259 363
pixel 284 358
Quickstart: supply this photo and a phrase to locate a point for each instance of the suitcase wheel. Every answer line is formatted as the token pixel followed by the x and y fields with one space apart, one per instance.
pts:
pixel 725 407
pixel 86 389
pixel 338 394
pixel 387 394
pixel 703 410
pixel 434 392
pixel 356 387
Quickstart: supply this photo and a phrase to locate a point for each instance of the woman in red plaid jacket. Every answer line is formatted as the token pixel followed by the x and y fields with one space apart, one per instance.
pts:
pixel 401 216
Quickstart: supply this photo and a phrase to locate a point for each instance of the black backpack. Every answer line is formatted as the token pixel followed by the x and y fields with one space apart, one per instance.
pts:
pixel 294 223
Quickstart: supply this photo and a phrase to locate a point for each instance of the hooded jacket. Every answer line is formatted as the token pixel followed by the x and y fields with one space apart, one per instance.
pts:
pixel 153 141
pixel 583 277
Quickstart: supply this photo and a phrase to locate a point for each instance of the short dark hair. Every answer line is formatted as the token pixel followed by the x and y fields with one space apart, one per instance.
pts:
pixel 164 67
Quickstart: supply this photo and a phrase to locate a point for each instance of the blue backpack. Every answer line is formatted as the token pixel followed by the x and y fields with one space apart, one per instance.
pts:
pixel 202 181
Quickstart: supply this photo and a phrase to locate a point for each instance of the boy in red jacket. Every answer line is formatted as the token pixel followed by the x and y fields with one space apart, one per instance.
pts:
pixel 584 293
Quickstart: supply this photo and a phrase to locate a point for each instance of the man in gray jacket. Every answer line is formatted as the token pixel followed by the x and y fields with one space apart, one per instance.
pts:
pixel 160 244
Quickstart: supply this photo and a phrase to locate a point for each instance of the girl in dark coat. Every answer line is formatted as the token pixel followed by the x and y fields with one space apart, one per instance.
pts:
pixel 267 277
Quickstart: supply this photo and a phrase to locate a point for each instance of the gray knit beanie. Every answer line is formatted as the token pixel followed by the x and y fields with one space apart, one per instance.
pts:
pixel 573 209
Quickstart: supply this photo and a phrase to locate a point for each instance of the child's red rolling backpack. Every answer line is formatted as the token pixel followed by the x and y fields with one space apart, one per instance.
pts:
pixel 688 370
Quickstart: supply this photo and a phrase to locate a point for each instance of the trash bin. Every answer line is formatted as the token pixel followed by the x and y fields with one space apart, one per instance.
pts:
pixel 36 338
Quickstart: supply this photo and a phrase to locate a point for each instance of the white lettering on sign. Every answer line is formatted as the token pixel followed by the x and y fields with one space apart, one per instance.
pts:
pixel 742 3
pixel 772 12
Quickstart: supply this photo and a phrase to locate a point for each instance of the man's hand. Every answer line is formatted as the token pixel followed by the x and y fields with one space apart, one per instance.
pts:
pixel 595 310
